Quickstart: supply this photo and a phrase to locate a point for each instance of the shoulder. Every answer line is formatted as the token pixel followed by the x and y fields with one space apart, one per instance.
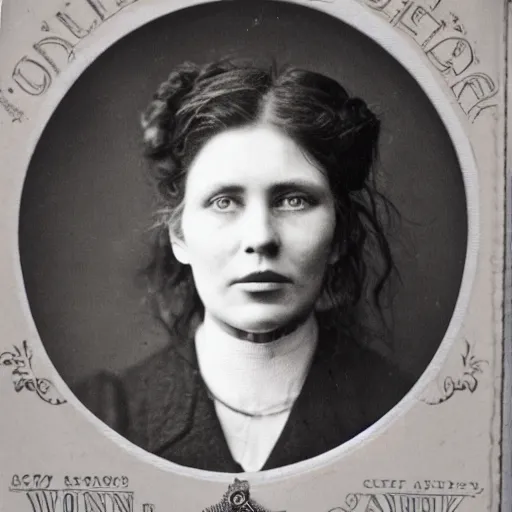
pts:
pixel 138 400
pixel 159 378
pixel 104 396
pixel 376 383
pixel 379 377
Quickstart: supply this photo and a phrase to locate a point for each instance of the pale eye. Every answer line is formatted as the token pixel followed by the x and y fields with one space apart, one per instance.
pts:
pixel 223 203
pixel 293 203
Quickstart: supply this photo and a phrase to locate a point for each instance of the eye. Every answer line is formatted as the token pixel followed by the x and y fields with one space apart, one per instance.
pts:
pixel 294 202
pixel 223 203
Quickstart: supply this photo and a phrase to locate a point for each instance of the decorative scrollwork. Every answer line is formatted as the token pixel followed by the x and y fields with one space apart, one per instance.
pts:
pixel 23 377
pixel 351 502
pixel 467 380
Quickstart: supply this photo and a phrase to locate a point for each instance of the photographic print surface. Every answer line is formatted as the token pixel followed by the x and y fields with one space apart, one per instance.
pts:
pixel 87 212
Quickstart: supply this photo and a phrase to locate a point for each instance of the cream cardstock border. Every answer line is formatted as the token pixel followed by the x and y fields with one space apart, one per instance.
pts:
pixel 351 12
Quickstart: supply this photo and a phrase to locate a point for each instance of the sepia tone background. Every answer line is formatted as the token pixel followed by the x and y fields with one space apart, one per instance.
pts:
pixel 86 205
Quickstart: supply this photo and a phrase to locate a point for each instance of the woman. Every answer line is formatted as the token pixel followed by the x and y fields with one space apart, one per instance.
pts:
pixel 269 236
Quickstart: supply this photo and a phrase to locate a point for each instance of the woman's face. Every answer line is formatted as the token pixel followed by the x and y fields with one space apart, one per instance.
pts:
pixel 257 229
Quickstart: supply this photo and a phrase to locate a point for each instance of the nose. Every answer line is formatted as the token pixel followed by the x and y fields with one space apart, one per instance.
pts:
pixel 259 233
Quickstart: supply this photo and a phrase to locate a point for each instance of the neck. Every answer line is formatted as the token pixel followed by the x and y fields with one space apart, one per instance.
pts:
pixel 257 378
pixel 265 336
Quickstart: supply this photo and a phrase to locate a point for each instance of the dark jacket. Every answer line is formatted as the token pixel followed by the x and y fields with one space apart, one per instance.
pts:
pixel 162 405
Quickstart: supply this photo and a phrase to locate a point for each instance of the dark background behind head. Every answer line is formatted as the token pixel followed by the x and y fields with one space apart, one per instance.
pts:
pixel 86 206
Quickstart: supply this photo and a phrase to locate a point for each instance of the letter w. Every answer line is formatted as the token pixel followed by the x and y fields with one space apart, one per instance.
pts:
pixel 42 501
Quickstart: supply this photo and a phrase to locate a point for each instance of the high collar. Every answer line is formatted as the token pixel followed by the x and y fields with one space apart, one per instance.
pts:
pixel 178 409
pixel 256 378
pixel 346 389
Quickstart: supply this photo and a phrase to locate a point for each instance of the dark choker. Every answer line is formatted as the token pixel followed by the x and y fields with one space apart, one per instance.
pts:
pixel 264 337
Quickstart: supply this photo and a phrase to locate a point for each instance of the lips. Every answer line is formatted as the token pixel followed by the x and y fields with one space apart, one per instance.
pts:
pixel 264 277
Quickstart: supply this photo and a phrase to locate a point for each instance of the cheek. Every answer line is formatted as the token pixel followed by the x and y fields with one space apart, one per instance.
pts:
pixel 312 246
pixel 209 249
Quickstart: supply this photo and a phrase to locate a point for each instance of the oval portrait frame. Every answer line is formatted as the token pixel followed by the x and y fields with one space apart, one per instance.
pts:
pixel 396 44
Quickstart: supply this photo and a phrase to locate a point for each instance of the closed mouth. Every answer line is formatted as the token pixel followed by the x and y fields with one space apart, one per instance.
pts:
pixel 264 277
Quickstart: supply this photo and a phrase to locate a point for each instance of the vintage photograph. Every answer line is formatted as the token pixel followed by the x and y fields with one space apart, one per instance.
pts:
pixel 242 248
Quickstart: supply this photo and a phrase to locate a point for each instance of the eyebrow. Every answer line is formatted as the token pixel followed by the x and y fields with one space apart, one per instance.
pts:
pixel 306 185
pixel 281 186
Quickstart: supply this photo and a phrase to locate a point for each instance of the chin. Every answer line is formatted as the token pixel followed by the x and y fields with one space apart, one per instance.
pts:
pixel 264 320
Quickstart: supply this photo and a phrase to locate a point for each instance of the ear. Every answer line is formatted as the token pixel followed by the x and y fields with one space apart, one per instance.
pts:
pixel 179 247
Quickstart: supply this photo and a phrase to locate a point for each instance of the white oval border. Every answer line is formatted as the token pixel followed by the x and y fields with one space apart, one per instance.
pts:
pixel 398 46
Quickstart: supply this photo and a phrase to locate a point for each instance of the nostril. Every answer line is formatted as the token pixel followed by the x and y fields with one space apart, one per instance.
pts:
pixel 273 249
pixel 270 248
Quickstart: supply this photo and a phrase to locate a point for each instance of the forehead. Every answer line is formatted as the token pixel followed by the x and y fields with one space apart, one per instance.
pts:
pixel 252 155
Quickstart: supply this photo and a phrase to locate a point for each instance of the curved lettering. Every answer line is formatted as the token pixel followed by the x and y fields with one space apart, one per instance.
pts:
pixel 453 53
pixel 31 76
pixel 41 47
pixel 472 91
pixel 421 25
pixel 377 4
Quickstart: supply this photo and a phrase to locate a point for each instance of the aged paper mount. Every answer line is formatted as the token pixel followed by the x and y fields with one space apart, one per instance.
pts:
pixel 439 450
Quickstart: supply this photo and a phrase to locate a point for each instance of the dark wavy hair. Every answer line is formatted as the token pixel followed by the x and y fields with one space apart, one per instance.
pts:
pixel 339 132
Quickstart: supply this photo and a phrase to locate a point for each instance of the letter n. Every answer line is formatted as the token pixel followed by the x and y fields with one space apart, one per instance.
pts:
pixel 123 501
pixel 95 502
